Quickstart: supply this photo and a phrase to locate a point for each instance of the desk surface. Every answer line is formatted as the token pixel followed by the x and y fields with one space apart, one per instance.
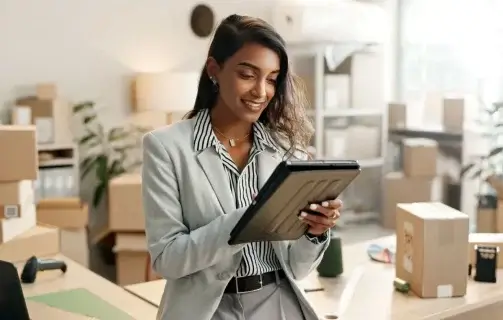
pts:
pixel 79 277
pixel 374 293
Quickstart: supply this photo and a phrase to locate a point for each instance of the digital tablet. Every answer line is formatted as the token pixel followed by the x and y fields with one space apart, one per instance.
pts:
pixel 293 185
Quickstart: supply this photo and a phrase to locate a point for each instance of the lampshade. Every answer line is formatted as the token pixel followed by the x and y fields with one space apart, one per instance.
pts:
pixel 167 91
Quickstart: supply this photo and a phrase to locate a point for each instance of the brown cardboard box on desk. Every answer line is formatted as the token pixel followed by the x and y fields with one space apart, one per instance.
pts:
pixel 12 195
pixel 125 203
pixel 431 240
pixel 132 259
pixel 71 216
pixel 398 188
pixel 39 241
pixel 21 162
pixel 25 217
pixel 420 157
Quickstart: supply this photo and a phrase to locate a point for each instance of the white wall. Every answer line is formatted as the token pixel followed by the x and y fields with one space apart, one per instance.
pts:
pixel 92 48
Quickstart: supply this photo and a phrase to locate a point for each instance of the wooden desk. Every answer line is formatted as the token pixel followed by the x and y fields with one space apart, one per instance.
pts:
pixel 80 277
pixel 375 298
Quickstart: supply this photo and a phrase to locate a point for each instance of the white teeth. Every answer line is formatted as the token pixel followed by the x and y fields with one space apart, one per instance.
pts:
pixel 253 104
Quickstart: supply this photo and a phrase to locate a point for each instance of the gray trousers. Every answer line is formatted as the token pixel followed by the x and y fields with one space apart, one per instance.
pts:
pixel 275 301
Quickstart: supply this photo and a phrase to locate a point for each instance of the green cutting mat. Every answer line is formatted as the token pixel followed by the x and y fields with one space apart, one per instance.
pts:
pixel 83 302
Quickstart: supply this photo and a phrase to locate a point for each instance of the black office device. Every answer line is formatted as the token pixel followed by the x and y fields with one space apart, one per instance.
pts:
pixel 34 265
pixel 12 302
pixel 486 263
pixel 293 185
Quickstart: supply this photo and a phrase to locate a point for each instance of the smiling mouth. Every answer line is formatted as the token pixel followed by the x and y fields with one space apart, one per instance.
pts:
pixel 253 105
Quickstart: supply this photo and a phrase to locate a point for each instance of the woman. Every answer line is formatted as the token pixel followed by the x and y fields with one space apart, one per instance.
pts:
pixel 200 175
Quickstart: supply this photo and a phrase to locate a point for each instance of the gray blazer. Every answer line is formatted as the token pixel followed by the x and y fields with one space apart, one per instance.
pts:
pixel 189 213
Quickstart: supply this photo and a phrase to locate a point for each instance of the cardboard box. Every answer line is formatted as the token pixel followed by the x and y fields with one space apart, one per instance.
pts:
pixel 12 195
pixel 75 245
pixel 431 249
pixel 21 162
pixel 39 241
pixel 11 228
pixel 499 217
pixel 50 117
pixel 47 91
pixel 397 115
pixel 453 114
pixel 64 213
pixel 485 239
pixel 486 220
pixel 420 157
pixel 398 188
pixel 125 203
pixel 132 259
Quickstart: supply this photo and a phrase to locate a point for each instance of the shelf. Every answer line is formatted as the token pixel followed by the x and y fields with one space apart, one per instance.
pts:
pixel 54 147
pixel 57 163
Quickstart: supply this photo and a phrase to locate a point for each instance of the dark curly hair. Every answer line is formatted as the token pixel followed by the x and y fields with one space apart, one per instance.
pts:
pixel 285 116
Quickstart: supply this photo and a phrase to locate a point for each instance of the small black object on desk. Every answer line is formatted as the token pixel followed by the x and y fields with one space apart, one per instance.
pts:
pixel 486 263
pixel 34 265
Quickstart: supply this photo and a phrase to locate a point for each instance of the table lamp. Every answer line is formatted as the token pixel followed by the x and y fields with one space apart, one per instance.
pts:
pixel 165 91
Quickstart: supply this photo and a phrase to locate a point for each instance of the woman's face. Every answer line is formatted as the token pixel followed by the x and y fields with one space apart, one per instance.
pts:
pixel 247 81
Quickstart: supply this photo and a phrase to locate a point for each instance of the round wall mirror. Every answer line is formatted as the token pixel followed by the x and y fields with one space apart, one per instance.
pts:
pixel 202 20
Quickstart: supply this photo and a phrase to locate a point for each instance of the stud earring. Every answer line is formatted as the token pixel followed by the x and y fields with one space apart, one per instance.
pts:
pixel 213 80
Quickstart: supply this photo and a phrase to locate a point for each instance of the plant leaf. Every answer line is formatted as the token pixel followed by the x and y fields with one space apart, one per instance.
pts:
pixel 467 168
pixel 476 174
pixel 116 168
pixel 99 192
pixel 101 170
pixel 114 132
pixel 82 106
pixel 86 165
pixel 87 138
pixel 495 151
pixel 88 119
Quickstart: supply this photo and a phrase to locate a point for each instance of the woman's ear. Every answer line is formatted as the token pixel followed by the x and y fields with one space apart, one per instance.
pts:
pixel 212 68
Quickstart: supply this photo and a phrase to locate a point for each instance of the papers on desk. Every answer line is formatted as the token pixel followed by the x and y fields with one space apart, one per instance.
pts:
pixel 41 311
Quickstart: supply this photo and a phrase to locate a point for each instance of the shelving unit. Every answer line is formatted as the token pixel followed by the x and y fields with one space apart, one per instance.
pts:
pixel 323 115
pixel 58 171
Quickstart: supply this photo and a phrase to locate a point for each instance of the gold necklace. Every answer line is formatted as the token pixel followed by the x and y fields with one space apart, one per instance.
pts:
pixel 232 141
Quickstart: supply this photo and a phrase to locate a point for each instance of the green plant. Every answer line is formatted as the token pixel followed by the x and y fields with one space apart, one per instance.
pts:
pixel 490 164
pixel 108 152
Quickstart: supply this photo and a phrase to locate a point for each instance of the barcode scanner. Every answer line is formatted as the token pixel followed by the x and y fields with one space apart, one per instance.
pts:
pixel 34 265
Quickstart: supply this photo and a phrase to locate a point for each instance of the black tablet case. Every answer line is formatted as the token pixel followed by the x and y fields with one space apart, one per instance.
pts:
pixel 293 185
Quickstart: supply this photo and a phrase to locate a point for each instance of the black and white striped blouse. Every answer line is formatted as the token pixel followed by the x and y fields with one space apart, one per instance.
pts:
pixel 258 257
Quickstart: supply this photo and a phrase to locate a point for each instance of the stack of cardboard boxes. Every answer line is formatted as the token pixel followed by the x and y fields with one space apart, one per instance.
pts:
pixel 417 182
pixel 48 112
pixel 70 216
pixel 20 237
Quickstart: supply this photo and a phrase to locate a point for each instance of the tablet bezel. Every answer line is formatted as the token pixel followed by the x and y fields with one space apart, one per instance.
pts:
pixel 279 176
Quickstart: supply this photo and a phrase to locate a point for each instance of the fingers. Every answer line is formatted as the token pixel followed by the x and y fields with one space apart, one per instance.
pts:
pixel 332 204
pixel 325 209
pixel 317 220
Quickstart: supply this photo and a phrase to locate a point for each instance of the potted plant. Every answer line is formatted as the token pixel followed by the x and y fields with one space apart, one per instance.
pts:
pixel 107 152
pixel 489 167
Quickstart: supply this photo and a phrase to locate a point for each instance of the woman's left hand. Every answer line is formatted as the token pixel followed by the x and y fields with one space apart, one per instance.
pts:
pixel 325 220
